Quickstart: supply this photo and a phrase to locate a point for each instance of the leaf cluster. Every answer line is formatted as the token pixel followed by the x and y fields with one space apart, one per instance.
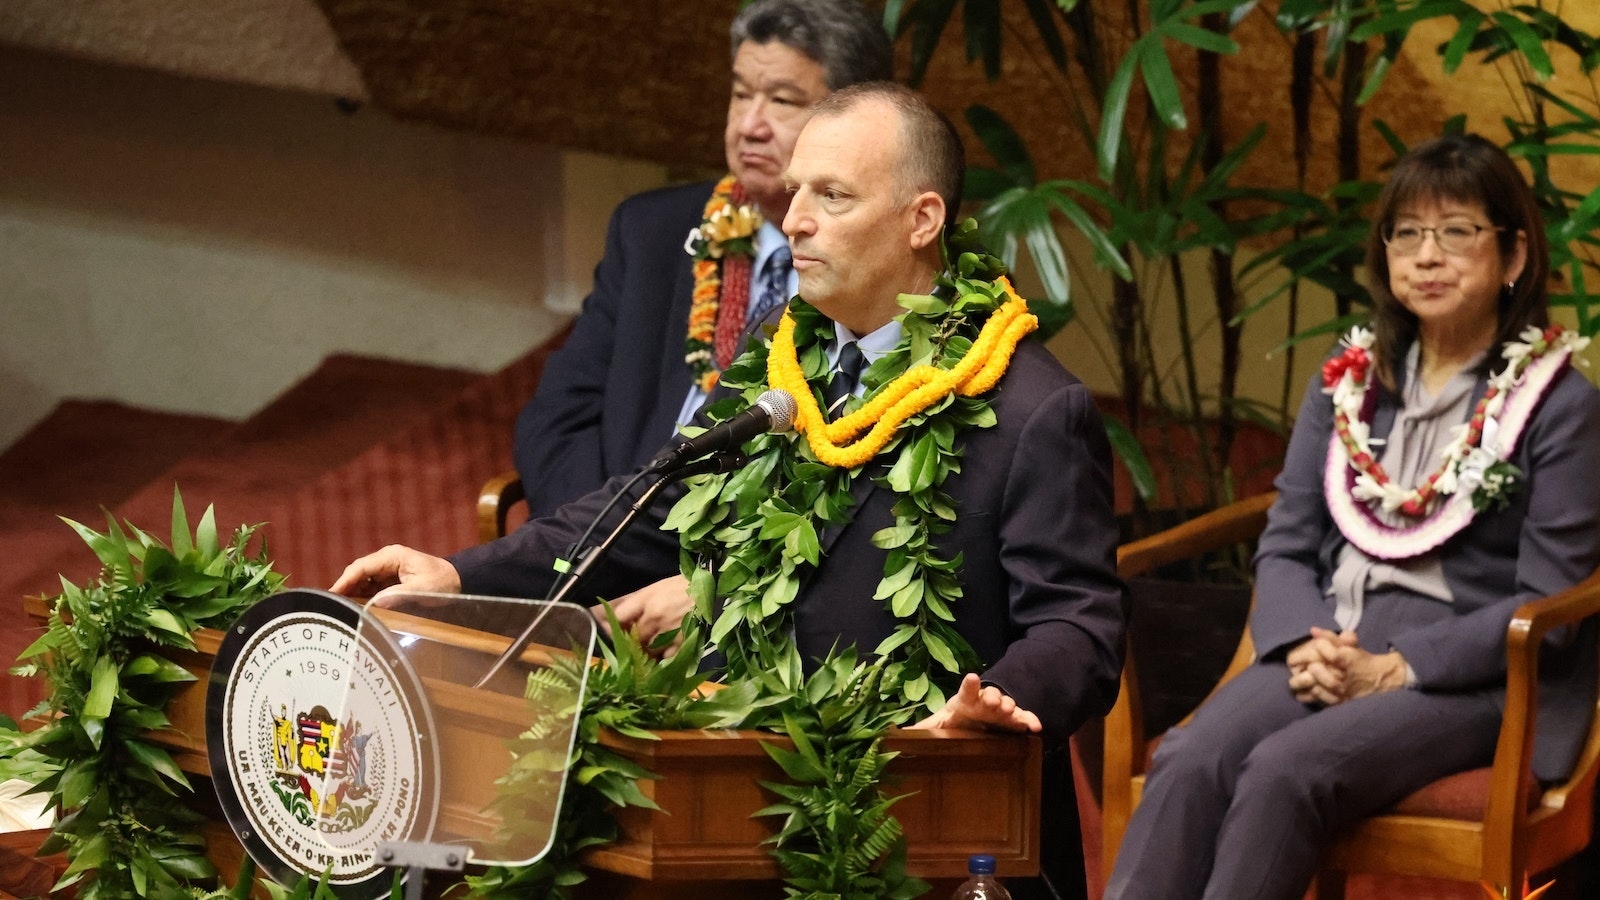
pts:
pixel 103 657
pixel 837 838
pixel 304 889
pixel 630 692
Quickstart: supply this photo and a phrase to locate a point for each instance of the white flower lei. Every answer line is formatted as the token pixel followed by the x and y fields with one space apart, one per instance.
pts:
pixel 1475 471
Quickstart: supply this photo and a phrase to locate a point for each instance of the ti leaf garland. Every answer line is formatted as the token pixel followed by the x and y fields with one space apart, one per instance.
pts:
pixel 631 693
pixel 838 838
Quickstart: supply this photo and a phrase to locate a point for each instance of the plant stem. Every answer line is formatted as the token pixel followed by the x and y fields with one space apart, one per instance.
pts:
pixel 1224 291
pixel 1353 72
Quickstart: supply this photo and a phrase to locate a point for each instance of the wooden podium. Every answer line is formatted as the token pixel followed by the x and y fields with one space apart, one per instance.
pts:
pixel 967 793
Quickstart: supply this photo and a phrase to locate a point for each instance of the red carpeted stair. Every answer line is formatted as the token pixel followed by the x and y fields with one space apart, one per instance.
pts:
pixel 89 456
pixel 84 456
pixel 414 485
pixel 331 416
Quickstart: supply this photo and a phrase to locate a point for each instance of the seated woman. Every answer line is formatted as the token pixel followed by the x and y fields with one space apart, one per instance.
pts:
pixel 1444 470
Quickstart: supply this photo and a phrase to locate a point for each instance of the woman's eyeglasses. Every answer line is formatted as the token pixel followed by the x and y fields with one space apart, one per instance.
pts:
pixel 1452 237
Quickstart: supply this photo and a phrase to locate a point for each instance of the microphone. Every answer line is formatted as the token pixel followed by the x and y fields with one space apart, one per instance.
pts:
pixel 719 463
pixel 773 412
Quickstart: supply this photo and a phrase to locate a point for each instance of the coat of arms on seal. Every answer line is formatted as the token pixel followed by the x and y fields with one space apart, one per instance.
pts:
pixel 320 741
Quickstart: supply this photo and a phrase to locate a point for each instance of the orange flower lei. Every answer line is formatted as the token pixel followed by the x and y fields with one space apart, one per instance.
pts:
pixel 726 231
pixel 841 443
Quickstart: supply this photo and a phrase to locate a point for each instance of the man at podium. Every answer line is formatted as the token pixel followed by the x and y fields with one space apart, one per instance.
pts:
pixel 1028 530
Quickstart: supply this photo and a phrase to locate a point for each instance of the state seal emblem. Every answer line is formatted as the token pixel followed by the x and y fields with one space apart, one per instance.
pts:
pixel 320 741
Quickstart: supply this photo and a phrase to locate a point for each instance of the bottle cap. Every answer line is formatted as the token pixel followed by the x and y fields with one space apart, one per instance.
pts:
pixel 980 864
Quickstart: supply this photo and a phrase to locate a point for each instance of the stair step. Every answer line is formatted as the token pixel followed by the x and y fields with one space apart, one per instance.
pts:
pixel 84 457
pixel 91 453
pixel 80 460
pixel 417 486
pixel 343 407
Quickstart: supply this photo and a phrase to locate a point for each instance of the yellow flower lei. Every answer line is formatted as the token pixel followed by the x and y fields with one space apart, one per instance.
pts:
pixel 841 443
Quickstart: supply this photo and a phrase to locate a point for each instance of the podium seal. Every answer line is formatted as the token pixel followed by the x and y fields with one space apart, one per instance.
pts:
pixel 320 742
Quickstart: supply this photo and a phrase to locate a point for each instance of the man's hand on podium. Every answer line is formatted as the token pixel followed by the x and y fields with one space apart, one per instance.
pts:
pixel 396 566
pixel 650 611
pixel 979 708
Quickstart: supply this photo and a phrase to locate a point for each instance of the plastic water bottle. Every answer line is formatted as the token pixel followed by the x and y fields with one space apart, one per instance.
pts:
pixel 981 883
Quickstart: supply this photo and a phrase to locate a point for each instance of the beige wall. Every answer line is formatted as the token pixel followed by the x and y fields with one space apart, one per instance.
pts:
pixel 197 246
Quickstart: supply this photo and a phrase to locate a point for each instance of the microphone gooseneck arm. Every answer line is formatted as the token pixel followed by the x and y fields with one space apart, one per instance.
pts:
pixel 587 560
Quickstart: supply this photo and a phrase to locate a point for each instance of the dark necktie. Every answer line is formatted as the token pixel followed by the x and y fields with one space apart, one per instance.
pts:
pixel 843 381
pixel 774 286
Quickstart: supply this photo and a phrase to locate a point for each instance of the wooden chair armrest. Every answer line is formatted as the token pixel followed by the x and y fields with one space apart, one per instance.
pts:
pixel 1512 779
pixel 495 500
pixel 1232 524
pixel 1534 620
pixel 1123 757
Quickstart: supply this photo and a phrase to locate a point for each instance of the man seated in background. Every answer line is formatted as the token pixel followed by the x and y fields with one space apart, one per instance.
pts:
pixel 1031 537
pixel 639 362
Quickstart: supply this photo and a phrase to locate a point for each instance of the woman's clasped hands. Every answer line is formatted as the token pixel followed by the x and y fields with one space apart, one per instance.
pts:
pixel 1331 668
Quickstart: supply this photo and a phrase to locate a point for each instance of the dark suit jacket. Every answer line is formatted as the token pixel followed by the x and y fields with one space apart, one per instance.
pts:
pixel 1042 604
pixel 609 398
pixel 1545 540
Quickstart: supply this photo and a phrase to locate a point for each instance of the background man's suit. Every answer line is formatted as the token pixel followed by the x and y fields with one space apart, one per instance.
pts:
pixel 609 398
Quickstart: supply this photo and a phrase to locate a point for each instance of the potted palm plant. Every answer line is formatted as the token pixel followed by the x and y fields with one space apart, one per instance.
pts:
pixel 1165 205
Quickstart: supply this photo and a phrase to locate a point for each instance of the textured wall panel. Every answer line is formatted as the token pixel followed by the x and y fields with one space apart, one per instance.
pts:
pixel 274 43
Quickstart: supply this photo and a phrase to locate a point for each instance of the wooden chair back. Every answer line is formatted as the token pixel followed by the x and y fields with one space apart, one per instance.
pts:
pixel 498 497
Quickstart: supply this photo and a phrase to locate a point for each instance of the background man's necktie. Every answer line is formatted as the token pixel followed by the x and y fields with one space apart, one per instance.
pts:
pixel 845 375
pixel 774 286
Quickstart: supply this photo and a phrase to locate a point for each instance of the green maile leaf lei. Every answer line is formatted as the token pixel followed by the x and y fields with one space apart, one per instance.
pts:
pixel 750 538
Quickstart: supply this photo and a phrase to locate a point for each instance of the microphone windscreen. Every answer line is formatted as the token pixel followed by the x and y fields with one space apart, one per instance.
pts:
pixel 781 409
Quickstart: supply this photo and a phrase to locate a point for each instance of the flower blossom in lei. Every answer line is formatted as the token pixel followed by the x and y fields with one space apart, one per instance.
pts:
pixel 722 246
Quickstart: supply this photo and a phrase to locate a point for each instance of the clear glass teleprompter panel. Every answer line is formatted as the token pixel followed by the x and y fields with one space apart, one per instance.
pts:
pixel 495 735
